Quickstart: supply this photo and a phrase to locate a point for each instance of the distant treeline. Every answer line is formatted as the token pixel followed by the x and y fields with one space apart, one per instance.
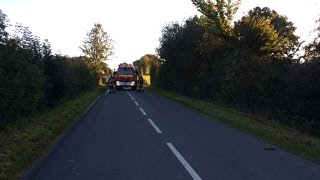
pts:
pixel 33 79
pixel 251 64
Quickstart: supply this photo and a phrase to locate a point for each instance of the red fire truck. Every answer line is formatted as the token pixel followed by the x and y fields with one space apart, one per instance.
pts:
pixel 126 76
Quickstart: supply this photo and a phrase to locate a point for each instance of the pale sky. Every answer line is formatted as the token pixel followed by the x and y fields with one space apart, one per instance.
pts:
pixel 134 25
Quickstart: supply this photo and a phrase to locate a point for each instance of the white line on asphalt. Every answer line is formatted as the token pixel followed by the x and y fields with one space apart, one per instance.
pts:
pixel 144 113
pixel 136 103
pixel 194 175
pixel 132 98
pixel 154 126
pixel 107 91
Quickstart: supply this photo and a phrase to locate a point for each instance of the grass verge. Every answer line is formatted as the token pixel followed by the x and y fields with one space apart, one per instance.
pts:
pixel 286 138
pixel 24 142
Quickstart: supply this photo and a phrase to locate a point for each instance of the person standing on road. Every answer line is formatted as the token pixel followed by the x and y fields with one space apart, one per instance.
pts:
pixel 111 84
pixel 140 83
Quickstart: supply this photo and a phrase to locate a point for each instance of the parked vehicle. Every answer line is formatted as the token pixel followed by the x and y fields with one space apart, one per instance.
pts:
pixel 126 77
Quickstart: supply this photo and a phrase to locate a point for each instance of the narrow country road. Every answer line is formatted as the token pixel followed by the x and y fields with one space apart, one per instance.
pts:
pixel 142 136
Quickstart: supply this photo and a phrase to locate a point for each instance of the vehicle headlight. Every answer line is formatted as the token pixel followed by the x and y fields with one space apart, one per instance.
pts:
pixel 118 83
pixel 132 83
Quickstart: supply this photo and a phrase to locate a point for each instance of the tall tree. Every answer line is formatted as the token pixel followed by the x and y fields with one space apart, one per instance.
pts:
pixel 97 47
pixel 182 54
pixel 268 33
pixel 221 12
pixel 3 25
pixel 312 50
pixel 30 44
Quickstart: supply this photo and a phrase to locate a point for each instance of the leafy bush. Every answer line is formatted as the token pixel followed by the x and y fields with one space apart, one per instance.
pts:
pixel 31 78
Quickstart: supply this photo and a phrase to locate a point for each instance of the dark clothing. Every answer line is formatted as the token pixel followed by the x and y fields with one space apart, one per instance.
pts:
pixel 111 83
pixel 140 81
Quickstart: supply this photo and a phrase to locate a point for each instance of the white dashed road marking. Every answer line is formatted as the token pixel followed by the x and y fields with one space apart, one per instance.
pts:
pixel 154 126
pixel 194 175
pixel 186 165
pixel 142 111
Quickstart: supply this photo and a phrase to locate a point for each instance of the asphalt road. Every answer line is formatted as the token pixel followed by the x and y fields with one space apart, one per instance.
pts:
pixel 137 136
